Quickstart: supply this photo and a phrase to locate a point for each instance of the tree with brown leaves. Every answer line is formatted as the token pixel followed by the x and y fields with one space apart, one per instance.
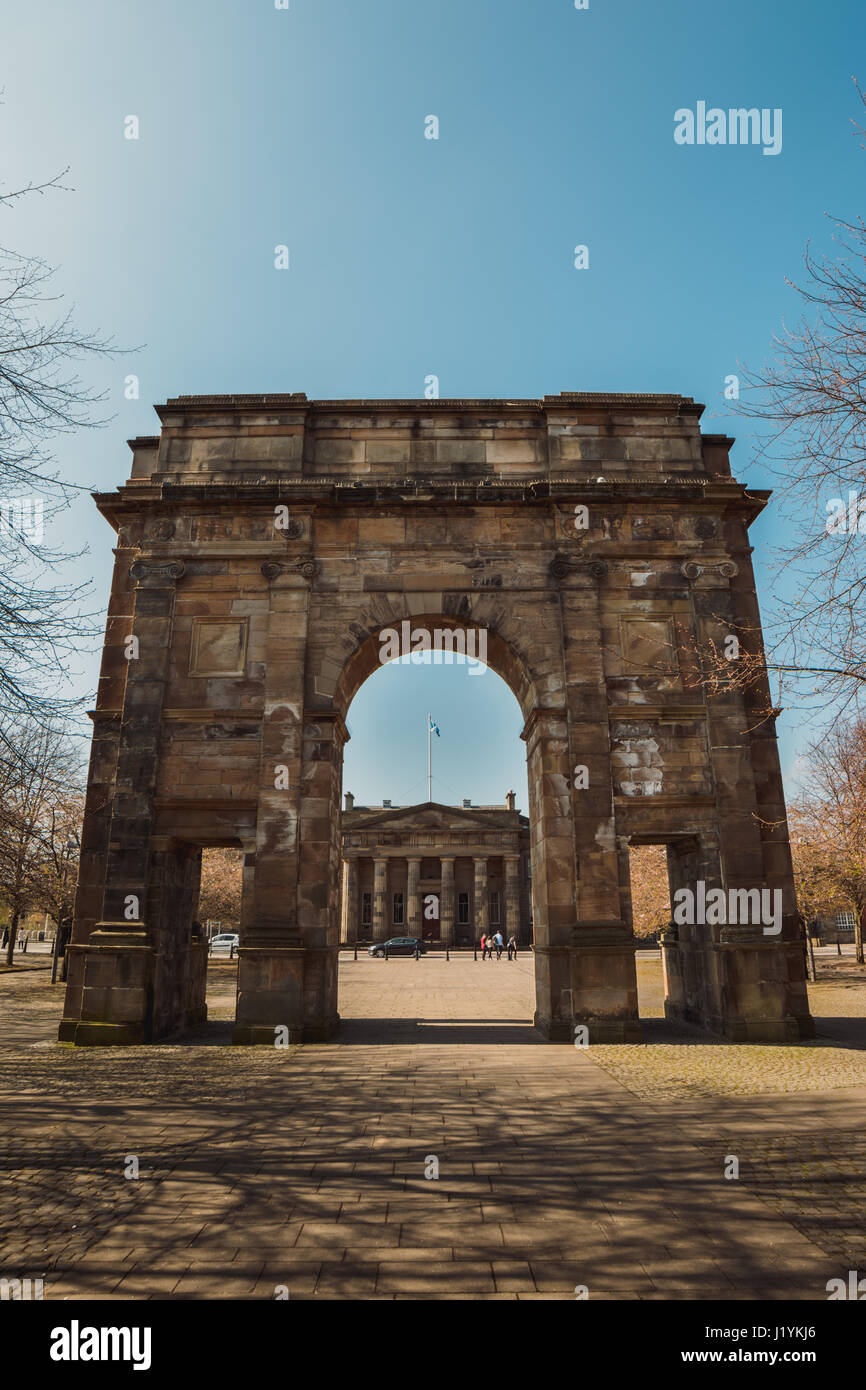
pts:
pixel 829 827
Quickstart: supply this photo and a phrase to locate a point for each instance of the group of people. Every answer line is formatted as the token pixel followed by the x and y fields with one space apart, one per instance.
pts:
pixel 489 944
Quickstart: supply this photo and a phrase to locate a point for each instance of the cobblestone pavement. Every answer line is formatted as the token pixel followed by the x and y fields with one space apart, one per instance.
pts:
pixel 558 1167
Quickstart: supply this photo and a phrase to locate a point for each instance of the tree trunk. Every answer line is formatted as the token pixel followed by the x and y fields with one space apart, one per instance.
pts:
pixel 13 932
pixel 859 918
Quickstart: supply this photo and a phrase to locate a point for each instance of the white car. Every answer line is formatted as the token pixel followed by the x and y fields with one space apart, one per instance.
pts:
pixel 224 941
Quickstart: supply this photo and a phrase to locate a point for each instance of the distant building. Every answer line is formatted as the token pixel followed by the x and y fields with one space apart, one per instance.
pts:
pixel 832 928
pixel 444 873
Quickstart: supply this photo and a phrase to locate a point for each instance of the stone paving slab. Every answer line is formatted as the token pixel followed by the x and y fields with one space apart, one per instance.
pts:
pixel 305 1167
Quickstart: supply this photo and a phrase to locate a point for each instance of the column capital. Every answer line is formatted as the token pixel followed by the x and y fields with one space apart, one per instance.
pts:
pixel 304 565
pixel 158 573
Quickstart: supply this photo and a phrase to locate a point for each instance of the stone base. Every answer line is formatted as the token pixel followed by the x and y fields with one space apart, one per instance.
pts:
pixel 263 1034
pixel 601 1030
pixel 745 1030
pixel 743 988
pixel 109 991
pixel 592 982
pixel 101 1034
pixel 292 987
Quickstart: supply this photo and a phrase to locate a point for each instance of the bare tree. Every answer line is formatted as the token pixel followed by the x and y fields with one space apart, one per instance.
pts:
pixel 812 398
pixel 41 397
pixel 40 786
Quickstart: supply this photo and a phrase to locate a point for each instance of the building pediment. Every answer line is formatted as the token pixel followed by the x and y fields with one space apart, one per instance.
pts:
pixel 430 816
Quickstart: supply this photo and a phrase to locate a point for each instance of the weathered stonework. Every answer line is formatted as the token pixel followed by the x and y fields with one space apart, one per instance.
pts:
pixel 264 542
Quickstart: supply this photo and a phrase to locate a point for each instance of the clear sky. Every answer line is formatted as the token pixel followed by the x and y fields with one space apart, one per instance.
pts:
pixel 410 256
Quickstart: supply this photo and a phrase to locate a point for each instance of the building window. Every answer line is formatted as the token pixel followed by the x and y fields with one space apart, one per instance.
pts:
pixel 366 909
pixel 845 921
pixel 494 909
pixel 398 909
pixel 463 909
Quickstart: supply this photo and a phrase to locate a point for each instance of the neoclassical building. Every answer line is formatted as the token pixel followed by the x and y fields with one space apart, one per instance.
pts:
pixel 444 873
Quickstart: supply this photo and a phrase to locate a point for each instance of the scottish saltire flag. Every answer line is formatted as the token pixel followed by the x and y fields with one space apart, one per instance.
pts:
pixel 434 728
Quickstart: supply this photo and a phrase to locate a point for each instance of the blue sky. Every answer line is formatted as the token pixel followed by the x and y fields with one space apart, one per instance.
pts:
pixel 409 256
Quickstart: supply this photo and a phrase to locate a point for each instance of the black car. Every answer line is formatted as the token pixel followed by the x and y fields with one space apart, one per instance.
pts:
pixel 399 946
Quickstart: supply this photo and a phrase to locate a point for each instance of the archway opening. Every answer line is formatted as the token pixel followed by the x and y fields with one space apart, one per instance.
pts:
pixel 435 848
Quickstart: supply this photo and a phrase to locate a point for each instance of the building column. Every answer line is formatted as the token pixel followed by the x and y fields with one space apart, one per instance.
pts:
pixel 512 897
pixel 380 899
pixel 481 905
pixel 350 900
pixel 446 902
pixel 413 899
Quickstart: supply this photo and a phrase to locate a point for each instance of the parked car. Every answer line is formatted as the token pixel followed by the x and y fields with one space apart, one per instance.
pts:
pixel 399 946
pixel 224 941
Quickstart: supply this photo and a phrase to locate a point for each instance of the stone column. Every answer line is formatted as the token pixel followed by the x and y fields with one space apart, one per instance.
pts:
pixel 752 986
pixel 350 900
pixel 380 900
pixel 446 902
pixel 512 897
pixel 481 914
pixel 115 993
pixel 413 899
pixel 284 976
pixel 584 952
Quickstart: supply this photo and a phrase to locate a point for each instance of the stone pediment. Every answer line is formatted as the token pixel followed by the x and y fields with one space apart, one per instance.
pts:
pixel 428 816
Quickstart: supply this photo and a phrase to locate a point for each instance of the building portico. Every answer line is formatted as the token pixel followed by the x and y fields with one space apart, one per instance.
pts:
pixel 444 873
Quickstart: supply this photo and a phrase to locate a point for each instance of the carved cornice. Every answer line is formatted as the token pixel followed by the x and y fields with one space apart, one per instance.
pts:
pixel 562 565
pixel 725 569
pixel 555 714
pixel 141 570
pixel 306 566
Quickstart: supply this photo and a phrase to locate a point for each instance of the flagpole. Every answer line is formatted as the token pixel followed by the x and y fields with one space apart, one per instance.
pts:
pixel 429 766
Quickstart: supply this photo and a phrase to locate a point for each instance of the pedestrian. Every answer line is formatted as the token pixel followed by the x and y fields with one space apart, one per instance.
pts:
pixel 499 943
pixel 512 946
pixel 483 946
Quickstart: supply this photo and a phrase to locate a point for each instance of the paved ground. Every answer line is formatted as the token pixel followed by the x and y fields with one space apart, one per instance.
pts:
pixel 305 1167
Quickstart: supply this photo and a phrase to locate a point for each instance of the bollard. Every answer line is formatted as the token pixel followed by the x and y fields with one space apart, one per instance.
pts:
pixel 386 952
pixel 356 950
pixel 447 954
pixel 417 951
pixel 474 952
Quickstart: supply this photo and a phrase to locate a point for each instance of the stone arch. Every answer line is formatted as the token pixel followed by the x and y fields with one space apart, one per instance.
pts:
pixel 502 654
pixel 575 530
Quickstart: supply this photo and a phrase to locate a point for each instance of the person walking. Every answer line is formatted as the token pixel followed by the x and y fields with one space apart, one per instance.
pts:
pixel 498 943
pixel 512 946
pixel 483 946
